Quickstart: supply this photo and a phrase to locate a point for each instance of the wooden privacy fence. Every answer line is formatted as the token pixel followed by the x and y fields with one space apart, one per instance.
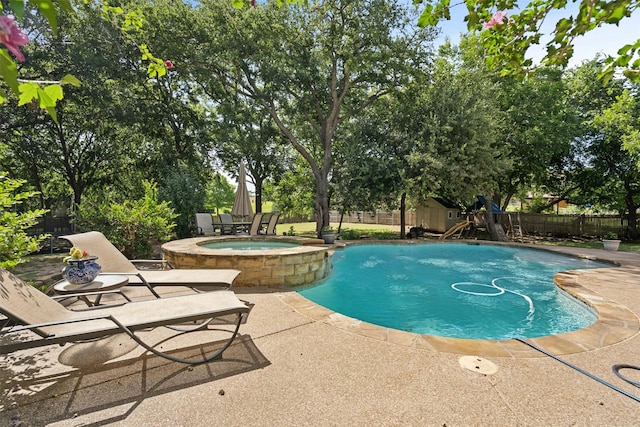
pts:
pixel 360 217
pixel 571 225
pixel 530 223
pixel 54 226
pixel 377 217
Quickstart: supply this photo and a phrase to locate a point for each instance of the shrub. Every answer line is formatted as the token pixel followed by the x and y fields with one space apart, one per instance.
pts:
pixel 292 232
pixel 132 226
pixel 14 240
pixel 356 234
pixel 611 235
pixel 186 194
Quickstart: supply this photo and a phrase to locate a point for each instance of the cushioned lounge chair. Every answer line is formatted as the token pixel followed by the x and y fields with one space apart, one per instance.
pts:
pixel 113 261
pixel 52 323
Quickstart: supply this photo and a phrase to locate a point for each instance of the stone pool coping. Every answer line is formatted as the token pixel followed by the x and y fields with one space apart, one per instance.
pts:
pixel 616 322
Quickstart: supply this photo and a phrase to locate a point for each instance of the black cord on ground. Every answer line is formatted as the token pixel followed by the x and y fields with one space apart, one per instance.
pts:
pixel 590 375
pixel 616 369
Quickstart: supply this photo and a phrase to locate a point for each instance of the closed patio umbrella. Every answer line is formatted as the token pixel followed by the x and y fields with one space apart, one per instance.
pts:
pixel 242 202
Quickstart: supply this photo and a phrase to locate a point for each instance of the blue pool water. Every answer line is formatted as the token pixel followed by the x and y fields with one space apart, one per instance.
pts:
pixel 250 245
pixel 454 290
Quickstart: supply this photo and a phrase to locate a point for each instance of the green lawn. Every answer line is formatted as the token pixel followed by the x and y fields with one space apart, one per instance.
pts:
pixel 349 231
pixel 375 231
pixel 624 247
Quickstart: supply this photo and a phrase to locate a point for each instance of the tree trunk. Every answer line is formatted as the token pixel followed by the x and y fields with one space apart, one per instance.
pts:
pixel 492 228
pixel 403 207
pixel 507 199
pixel 258 184
pixel 322 205
pixel 77 196
pixel 632 209
pixel 632 220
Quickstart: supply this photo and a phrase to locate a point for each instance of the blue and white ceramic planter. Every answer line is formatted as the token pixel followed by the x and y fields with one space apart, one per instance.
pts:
pixel 80 271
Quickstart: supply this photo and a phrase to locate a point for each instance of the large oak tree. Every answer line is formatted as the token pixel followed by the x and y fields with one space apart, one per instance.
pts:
pixel 312 68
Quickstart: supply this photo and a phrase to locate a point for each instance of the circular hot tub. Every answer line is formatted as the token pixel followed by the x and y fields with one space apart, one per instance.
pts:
pixel 263 261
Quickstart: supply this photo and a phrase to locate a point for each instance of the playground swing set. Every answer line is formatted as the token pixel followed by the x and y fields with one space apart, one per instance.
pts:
pixel 476 223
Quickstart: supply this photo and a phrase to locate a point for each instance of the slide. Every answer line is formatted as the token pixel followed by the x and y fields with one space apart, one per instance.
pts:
pixel 458 227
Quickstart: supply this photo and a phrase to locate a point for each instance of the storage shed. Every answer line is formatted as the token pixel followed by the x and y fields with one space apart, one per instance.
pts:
pixel 437 214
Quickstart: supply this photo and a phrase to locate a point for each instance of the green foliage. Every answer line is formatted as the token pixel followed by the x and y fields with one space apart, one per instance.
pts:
pixel 623 119
pixel 48 93
pixel 291 232
pixel 294 192
pixel 14 241
pixel 539 204
pixel 452 128
pixel 182 188
pixel 312 69
pixel 507 44
pixel 45 93
pixel 540 129
pixel 219 194
pixel 606 174
pixel 132 226
pixel 610 235
pixel 357 234
pixel 369 160
pixel 253 139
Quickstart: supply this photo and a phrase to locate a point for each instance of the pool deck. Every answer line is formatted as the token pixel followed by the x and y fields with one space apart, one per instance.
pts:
pixel 297 364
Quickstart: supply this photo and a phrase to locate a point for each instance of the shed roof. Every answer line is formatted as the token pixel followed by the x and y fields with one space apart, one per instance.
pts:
pixel 446 203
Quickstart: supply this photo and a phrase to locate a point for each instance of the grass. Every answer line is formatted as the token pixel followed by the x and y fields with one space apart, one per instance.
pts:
pixel 351 231
pixel 594 244
pixel 347 232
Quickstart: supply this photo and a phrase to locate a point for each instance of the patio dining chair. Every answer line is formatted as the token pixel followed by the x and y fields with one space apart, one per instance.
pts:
pixel 113 261
pixel 226 224
pixel 254 228
pixel 271 226
pixel 204 224
pixel 256 223
pixel 28 309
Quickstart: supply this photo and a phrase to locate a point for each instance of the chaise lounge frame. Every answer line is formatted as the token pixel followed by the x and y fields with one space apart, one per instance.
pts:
pixel 113 261
pixel 28 309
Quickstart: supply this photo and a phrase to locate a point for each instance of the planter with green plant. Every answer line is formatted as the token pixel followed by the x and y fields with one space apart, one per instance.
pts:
pixel 611 241
pixel 328 235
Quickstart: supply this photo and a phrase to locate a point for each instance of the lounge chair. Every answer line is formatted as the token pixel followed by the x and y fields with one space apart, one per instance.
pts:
pixel 271 226
pixel 54 324
pixel 113 261
pixel 204 224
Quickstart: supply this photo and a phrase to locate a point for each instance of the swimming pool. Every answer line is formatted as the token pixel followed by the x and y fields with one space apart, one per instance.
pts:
pixel 454 290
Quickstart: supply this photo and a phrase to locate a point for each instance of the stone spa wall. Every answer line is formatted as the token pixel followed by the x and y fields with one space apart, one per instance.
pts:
pixel 304 264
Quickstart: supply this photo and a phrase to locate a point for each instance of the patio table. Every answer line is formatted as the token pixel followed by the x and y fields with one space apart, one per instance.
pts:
pixel 240 226
pixel 102 284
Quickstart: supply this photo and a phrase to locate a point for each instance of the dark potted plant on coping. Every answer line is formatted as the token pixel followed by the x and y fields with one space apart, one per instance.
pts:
pixel 611 241
pixel 328 235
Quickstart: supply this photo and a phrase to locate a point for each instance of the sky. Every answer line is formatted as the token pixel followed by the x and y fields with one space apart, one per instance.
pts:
pixel 606 39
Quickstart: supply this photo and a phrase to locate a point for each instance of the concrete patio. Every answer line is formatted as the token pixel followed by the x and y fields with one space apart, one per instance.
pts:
pixel 298 364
